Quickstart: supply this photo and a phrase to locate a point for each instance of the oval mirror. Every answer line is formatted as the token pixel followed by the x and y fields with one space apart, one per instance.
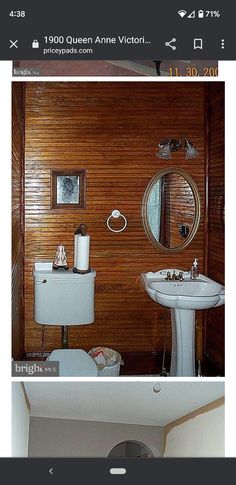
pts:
pixel 171 209
pixel 131 449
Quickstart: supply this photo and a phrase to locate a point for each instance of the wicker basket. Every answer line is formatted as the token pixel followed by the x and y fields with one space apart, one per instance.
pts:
pixel 109 370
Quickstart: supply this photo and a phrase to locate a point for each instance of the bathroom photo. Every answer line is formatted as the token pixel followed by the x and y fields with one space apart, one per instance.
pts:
pixel 137 67
pixel 118 419
pixel 118 227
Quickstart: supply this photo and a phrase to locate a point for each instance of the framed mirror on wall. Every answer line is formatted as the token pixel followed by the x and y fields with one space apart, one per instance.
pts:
pixel 68 189
pixel 171 209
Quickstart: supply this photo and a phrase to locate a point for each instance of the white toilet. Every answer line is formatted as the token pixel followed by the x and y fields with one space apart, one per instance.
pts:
pixel 66 298
pixel 74 363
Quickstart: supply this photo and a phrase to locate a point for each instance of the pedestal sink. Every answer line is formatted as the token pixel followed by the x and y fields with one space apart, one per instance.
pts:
pixel 183 297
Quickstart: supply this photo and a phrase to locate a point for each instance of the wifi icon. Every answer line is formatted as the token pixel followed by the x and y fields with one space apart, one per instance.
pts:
pixel 182 13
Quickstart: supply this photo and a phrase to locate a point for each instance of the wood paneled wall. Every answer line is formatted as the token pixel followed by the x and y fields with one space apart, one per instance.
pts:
pixel 110 129
pixel 214 331
pixel 17 221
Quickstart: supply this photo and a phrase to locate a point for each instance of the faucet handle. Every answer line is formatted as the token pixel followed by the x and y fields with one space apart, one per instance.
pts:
pixel 174 276
pixel 168 276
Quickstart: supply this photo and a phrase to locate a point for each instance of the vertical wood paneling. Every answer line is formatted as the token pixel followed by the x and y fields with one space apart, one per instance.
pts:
pixel 17 221
pixel 111 130
pixel 214 331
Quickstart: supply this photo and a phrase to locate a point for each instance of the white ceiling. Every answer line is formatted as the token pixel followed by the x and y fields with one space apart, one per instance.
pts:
pixel 120 402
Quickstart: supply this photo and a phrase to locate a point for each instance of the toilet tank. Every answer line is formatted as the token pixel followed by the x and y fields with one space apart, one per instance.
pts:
pixel 63 298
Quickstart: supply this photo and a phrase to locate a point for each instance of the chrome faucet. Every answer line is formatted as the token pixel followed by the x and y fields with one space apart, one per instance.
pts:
pixel 178 277
pixel 174 276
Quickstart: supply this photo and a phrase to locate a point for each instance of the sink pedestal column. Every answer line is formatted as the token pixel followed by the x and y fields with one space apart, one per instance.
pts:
pixel 183 343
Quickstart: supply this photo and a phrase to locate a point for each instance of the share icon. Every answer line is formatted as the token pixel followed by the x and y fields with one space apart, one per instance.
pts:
pixel 169 44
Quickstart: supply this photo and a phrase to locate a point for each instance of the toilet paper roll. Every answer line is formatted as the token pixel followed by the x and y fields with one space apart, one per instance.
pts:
pixel 75 249
pixel 82 246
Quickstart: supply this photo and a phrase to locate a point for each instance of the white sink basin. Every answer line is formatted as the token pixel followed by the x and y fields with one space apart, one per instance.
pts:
pixel 190 294
pixel 183 298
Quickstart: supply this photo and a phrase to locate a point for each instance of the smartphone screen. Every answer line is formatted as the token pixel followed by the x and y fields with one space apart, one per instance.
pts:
pixel 117 128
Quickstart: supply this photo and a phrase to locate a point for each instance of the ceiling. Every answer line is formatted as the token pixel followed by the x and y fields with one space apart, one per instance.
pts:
pixel 120 402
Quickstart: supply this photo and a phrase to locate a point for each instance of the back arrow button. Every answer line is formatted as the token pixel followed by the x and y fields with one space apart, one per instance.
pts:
pixel 51 471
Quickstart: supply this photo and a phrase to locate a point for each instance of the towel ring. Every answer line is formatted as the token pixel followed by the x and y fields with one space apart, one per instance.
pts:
pixel 115 213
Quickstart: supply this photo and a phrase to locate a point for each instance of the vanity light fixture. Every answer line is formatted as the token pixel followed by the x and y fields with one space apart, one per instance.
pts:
pixel 165 150
pixel 167 147
pixel 170 145
pixel 190 150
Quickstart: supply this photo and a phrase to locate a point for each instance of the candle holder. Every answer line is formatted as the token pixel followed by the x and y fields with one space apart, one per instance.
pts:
pixel 81 271
pixel 60 260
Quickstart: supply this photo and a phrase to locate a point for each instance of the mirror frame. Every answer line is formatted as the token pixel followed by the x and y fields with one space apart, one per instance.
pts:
pixel 140 443
pixel 196 195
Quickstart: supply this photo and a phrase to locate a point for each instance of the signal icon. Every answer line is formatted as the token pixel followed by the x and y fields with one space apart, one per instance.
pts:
pixel 192 15
pixel 182 13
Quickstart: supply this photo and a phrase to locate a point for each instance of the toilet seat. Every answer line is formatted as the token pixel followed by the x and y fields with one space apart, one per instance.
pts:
pixel 74 363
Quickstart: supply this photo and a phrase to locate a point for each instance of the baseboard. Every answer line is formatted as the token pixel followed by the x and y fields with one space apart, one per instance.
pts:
pixel 135 363
pixel 145 363
pixel 36 355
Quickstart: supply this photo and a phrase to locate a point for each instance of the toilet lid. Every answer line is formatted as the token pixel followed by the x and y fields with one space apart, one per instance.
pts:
pixel 74 362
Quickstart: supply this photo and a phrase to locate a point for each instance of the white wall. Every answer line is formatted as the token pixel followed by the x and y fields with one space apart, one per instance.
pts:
pixel 202 436
pixel 20 422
